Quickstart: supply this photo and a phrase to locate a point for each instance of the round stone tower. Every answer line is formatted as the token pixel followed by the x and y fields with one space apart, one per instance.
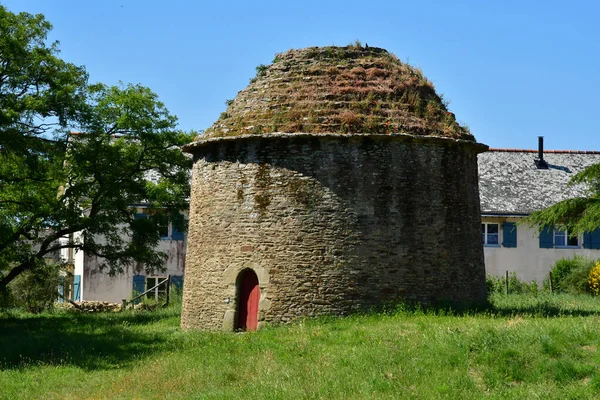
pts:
pixel 337 181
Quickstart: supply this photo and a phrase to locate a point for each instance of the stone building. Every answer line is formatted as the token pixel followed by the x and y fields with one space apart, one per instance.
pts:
pixel 337 181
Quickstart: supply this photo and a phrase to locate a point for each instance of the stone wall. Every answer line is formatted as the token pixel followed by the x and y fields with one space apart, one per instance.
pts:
pixel 331 224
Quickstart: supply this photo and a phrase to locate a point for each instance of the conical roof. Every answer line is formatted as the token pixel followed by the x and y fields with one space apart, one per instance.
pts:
pixel 352 89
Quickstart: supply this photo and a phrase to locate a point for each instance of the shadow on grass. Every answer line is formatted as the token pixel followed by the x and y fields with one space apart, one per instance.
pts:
pixel 116 340
pixel 508 306
pixel 544 310
pixel 88 341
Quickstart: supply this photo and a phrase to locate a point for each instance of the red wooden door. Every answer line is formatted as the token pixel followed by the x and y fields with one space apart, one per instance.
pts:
pixel 248 302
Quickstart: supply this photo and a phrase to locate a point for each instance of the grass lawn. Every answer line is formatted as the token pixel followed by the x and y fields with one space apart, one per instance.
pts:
pixel 521 348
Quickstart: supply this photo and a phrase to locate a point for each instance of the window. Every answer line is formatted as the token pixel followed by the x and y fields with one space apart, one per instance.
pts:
pixel 562 238
pixel 163 229
pixel 159 292
pixel 490 234
pixel 166 228
pixel 557 238
pixel 169 231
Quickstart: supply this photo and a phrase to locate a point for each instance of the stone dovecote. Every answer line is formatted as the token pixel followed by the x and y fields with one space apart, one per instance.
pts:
pixel 338 188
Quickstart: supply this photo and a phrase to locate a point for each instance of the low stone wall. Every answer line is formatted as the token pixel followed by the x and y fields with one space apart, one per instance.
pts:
pixel 92 306
pixel 104 306
pixel 332 224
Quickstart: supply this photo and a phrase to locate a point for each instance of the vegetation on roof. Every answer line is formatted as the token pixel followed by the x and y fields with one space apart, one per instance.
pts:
pixel 351 89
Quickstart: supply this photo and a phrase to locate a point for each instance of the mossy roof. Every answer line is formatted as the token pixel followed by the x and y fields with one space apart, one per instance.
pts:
pixel 352 89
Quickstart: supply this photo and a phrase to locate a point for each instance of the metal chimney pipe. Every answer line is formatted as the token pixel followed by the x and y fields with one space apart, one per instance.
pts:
pixel 540 162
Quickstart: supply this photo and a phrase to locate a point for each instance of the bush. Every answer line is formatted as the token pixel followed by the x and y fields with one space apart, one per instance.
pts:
pixel 570 275
pixel 36 291
pixel 6 298
pixel 495 284
pixel 594 280
pixel 559 273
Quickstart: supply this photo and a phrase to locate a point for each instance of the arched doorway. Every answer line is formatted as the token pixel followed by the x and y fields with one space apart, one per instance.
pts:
pixel 248 298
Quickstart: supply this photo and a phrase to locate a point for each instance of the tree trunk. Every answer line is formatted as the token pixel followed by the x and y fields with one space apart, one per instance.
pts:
pixel 16 271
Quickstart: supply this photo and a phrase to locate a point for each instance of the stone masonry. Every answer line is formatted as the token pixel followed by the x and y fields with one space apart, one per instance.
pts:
pixel 331 224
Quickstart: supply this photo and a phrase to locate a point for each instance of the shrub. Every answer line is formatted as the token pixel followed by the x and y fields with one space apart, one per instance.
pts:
pixel 594 279
pixel 559 272
pixel 495 284
pixel 6 298
pixel 570 275
pixel 36 290
pixel 261 70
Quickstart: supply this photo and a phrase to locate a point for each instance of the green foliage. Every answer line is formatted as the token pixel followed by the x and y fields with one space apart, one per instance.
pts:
pixel 576 281
pixel 594 280
pixel 559 272
pixel 497 285
pixel 261 70
pixel 570 275
pixel 581 214
pixel 6 298
pixel 522 347
pixel 36 290
pixel 228 102
pixel 53 184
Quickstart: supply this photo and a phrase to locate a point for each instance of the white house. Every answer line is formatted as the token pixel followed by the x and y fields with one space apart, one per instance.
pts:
pixel 85 280
pixel 514 183
pixel 92 283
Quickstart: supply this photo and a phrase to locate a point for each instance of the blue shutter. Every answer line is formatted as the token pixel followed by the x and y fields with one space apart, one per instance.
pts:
pixel 177 281
pixel 176 234
pixel 591 240
pixel 139 284
pixel 76 287
pixel 587 240
pixel 547 237
pixel 509 234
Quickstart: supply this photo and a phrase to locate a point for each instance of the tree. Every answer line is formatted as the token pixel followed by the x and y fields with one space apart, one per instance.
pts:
pixel 54 183
pixel 580 214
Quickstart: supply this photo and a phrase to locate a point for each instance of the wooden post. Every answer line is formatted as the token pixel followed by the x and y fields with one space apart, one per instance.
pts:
pixel 550 279
pixel 168 289
pixel 124 304
pixel 507 283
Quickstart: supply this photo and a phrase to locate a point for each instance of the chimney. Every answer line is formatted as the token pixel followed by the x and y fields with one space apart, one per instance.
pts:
pixel 540 162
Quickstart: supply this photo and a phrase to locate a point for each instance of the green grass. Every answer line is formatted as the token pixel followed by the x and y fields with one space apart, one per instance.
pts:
pixel 522 347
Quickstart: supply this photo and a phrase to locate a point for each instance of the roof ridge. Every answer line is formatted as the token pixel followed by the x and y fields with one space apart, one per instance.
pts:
pixel 545 151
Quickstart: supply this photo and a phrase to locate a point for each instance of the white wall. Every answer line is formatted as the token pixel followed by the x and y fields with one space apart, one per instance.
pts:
pixel 99 285
pixel 527 260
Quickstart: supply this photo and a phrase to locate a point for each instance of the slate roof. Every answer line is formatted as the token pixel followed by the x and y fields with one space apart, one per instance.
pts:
pixel 511 184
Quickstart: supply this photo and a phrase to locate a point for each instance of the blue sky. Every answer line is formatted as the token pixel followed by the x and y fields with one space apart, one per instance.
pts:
pixel 512 70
